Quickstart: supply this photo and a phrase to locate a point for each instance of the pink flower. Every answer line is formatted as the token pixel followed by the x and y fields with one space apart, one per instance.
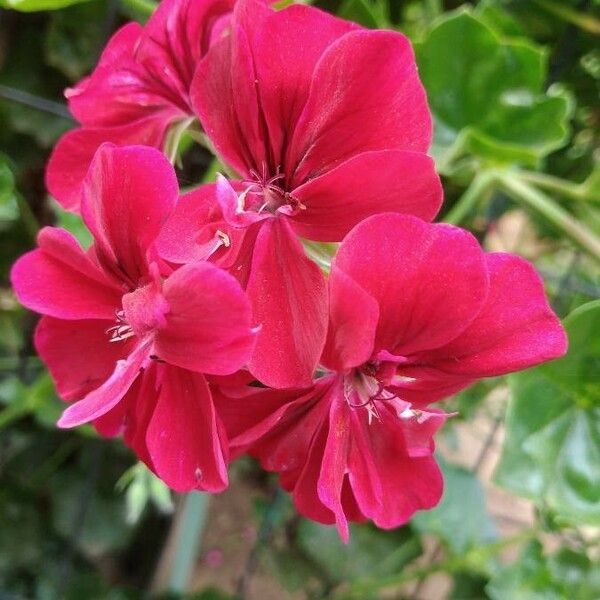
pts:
pixel 129 347
pixel 327 124
pixel 417 312
pixel 139 89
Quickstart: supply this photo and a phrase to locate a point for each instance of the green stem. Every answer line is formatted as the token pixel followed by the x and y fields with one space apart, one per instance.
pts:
pixel 557 185
pixel 478 190
pixel 195 511
pixel 543 204
pixel 583 21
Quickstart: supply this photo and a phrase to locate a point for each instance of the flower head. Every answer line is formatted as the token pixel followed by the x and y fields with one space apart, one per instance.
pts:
pixel 139 90
pixel 416 312
pixel 128 345
pixel 326 124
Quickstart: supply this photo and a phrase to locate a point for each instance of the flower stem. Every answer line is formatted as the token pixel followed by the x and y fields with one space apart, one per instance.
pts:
pixel 479 189
pixel 558 9
pixel 559 186
pixel 518 189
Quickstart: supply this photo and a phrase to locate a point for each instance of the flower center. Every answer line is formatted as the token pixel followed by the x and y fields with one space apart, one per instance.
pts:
pixel 368 386
pixel 266 193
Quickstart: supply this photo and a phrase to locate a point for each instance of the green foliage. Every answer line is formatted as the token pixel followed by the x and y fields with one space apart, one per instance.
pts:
pixel 461 519
pixel 73 40
pixel 566 574
pixel 370 553
pixel 552 449
pixel 486 94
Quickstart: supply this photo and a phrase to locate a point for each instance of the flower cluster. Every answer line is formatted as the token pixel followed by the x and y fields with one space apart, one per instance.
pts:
pixel 201 327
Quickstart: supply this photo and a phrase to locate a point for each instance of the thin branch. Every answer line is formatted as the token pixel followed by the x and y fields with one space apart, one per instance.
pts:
pixel 33 101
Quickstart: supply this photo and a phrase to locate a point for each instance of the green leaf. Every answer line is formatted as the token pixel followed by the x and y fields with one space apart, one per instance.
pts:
pixel 486 94
pixel 496 18
pixel 105 527
pixel 370 13
pixel 73 39
pixel 528 579
pixel 567 574
pixel 35 5
pixel 370 553
pixel 551 453
pixel 463 495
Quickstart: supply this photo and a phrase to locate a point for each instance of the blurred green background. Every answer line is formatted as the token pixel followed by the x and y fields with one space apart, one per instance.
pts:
pixel 514 87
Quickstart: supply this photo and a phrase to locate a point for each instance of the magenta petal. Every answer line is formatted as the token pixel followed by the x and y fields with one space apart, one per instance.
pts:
pixel 335 462
pixel 208 327
pixel 60 280
pixel 127 195
pixel 223 94
pixel 72 155
pixel 185 441
pixel 515 329
pixel 111 94
pixel 110 393
pixel 303 484
pixel 365 95
pixel 367 184
pixel 408 484
pixel 184 236
pixel 430 281
pixel 176 37
pixel 286 48
pixel 78 354
pixel 353 318
pixel 289 302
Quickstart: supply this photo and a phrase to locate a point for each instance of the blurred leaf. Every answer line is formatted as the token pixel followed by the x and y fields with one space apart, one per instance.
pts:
pixel 291 568
pixel 37 398
pixel 370 13
pixel 34 5
pixel 105 526
pixel 141 487
pixel 468 586
pixel 486 94
pixel 72 223
pixel 371 552
pixel 9 209
pixel 74 39
pixel 533 576
pixel 527 579
pixel 463 495
pixel 551 453
pixel 496 18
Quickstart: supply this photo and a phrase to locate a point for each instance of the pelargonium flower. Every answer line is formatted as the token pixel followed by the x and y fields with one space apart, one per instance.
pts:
pixel 129 347
pixel 326 123
pixel 139 90
pixel 417 312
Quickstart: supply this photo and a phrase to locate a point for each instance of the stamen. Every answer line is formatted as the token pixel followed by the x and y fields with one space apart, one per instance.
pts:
pixel 122 330
pixel 225 240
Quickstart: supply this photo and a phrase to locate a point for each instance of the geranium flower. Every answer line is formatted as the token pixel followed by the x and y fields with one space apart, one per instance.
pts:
pixel 327 124
pixel 417 312
pixel 130 348
pixel 139 91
